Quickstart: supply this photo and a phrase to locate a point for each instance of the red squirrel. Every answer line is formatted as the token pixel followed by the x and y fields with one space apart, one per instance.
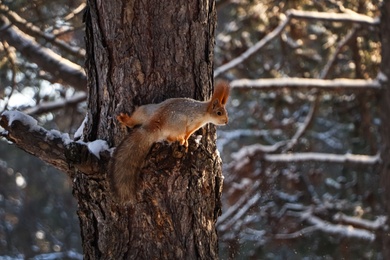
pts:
pixel 173 120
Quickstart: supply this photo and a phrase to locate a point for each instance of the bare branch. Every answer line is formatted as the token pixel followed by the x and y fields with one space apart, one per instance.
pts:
pixel 297 234
pixel 76 11
pixel 230 215
pixel 34 31
pixel 11 56
pixel 252 50
pixel 55 105
pixel 225 137
pixel 285 19
pixel 303 127
pixel 341 44
pixel 65 71
pixel 302 83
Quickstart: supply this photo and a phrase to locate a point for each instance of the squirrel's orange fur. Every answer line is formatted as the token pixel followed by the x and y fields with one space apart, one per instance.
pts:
pixel 173 120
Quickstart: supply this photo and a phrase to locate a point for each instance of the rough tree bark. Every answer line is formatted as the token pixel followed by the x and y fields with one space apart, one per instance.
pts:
pixel 385 127
pixel 141 52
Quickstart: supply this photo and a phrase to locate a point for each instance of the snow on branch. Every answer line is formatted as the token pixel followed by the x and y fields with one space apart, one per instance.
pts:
pixel 351 17
pixel 239 213
pixel 46 107
pixel 323 157
pixel 52 146
pixel 337 229
pixel 302 83
pixel 65 71
pixel 285 19
pixel 318 224
pixel 376 224
pixel 346 227
pixel 267 153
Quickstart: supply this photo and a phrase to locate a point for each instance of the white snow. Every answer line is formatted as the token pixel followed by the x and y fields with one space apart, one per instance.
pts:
pixel 198 139
pixel 97 146
pixel 381 77
pixel 80 130
pixel 23 118
pixel 51 134
pixel 94 147
pixel 338 229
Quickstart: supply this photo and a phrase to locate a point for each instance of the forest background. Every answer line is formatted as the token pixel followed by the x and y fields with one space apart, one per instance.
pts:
pixel 301 151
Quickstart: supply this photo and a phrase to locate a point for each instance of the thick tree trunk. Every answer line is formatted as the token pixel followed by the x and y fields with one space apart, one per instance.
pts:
pixel 385 118
pixel 141 52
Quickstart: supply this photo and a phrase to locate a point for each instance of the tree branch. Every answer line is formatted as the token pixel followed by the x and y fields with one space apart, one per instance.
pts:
pixel 34 31
pixel 337 229
pixel 264 152
pixel 65 71
pixel 302 83
pixel 372 225
pixel 74 12
pixel 340 45
pixel 297 14
pixel 252 50
pixel 52 146
pixel 351 17
pixel 55 105
pixel 323 157
pixel 11 56
pixel 27 135
pixel 318 224
pixel 302 128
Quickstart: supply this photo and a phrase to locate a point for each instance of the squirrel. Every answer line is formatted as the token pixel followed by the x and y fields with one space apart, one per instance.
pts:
pixel 174 119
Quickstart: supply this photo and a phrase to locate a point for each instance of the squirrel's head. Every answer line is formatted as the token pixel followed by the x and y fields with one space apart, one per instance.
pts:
pixel 217 110
pixel 218 113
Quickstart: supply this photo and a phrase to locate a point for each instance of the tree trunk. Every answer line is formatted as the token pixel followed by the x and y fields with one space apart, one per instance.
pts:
pixel 141 52
pixel 385 118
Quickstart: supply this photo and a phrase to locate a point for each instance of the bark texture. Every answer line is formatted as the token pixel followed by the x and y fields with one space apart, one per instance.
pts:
pixel 141 52
pixel 385 128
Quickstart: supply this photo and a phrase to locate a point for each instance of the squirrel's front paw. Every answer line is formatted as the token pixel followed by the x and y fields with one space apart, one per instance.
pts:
pixel 122 117
pixel 125 120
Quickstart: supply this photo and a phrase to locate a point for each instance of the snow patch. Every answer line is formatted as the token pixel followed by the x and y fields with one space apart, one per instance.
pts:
pixel 97 146
pixel 51 134
pixel 381 77
pixel 26 120
pixel 79 132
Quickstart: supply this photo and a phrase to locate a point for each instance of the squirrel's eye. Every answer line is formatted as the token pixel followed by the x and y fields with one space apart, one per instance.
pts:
pixel 219 113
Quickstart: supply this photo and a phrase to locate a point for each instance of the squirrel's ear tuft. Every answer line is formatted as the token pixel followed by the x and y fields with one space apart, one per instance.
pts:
pixel 222 90
pixel 215 103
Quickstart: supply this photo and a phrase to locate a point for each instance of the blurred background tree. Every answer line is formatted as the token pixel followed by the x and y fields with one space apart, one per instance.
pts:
pixel 38 212
pixel 300 151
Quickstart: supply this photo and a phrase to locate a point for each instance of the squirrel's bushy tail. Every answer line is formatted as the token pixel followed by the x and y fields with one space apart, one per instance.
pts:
pixel 127 162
